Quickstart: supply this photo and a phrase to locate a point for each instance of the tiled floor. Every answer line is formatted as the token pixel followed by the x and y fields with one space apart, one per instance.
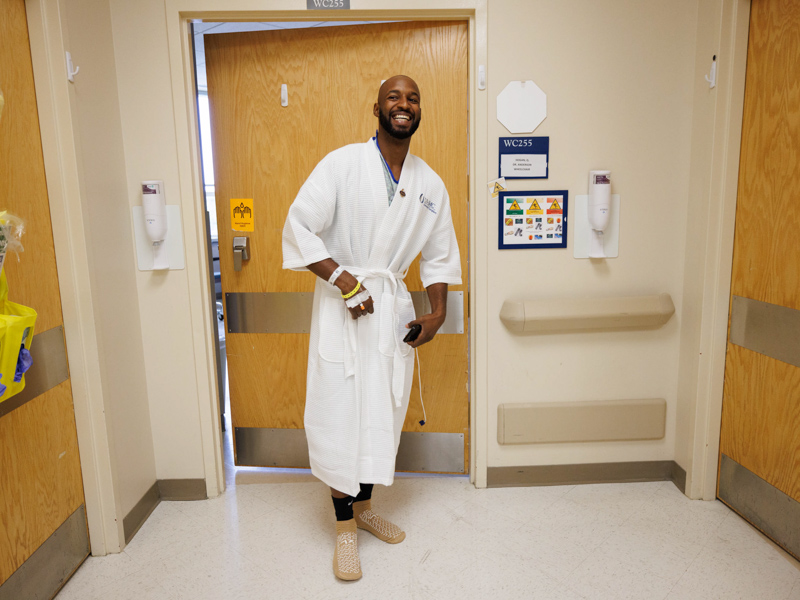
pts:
pixel 271 536
pixel 275 540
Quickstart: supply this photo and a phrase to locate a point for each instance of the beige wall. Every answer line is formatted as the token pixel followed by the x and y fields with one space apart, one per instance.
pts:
pixel 96 118
pixel 619 78
pixel 624 93
pixel 148 133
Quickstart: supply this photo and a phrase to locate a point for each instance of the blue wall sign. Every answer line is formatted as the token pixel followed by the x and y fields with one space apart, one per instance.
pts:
pixel 532 219
pixel 524 157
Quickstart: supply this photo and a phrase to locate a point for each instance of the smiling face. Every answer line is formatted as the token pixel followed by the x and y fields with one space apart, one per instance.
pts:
pixel 398 108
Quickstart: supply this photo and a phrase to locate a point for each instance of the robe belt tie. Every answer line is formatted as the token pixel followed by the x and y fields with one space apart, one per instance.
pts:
pixel 351 332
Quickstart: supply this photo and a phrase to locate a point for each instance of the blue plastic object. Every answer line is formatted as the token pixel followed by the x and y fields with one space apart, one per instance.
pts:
pixel 24 363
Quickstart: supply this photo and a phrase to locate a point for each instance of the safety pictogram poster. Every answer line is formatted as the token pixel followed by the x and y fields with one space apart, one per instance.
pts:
pixel 242 217
pixel 533 219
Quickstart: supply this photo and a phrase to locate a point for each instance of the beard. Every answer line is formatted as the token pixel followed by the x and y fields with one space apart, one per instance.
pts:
pixel 399 134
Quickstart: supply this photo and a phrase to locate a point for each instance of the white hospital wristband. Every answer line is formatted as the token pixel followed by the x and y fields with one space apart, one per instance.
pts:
pixel 335 275
pixel 360 297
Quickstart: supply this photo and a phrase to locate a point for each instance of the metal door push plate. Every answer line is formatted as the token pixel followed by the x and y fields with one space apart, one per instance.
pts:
pixel 290 312
pixel 768 329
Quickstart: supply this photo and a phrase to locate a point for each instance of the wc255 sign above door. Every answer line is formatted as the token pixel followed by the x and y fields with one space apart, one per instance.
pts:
pixel 532 219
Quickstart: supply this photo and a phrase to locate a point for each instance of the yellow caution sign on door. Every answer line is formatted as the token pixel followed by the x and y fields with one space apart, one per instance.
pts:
pixel 242 214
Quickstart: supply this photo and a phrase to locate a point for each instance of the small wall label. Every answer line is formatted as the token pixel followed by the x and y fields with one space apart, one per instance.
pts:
pixel 328 4
pixel 524 157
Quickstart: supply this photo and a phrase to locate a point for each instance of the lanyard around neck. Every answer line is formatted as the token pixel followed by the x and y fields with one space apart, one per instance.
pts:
pixel 383 159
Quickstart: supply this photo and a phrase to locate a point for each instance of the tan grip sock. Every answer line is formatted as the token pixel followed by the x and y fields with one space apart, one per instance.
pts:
pixel 376 525
pixel 346 564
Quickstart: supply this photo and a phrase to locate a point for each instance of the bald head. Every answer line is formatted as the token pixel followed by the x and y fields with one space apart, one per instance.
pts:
pixel 398 107
pixel 393 82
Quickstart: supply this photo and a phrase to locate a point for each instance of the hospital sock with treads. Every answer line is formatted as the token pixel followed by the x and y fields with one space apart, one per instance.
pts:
pixel 377 526
pixel 343 508
pixel 365 493
pixel 346 564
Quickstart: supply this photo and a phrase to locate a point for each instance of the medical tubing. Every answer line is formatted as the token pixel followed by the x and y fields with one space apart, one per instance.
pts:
pixel 419 379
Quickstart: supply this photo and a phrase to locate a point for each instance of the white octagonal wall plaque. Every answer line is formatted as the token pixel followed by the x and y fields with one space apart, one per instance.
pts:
pixel 521 106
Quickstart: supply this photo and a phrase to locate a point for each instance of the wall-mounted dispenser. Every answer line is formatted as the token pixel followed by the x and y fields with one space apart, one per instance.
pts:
pixel 157 230
pixel 155 221
pixel 596 219
pixel 599 210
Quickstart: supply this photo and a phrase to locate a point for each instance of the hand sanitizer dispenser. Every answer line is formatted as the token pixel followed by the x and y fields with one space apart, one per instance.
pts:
pixel 595 219
pixel 155 219
pixel 599 209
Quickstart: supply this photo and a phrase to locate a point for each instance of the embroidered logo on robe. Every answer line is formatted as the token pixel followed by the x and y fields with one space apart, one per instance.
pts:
pixel 431 206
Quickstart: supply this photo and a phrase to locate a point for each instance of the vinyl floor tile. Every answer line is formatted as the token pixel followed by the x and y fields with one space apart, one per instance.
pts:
pixel 734 575
pixel 97 573
pixel 795 593
pixel 136 586
pixel 512 575
pixel 271 535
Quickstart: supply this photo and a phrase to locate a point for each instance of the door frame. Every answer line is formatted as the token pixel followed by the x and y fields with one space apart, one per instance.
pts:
pixel 179 15
pixel 714 178
pixel 103 513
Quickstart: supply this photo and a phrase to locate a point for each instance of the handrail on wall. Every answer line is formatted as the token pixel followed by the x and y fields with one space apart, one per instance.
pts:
pixel 577 314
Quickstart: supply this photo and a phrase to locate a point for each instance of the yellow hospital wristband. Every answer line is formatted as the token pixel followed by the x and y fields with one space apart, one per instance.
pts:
pixel 352 292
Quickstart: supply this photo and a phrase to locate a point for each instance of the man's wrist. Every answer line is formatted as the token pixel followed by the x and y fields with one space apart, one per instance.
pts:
pixel 346 283
pixel 439 315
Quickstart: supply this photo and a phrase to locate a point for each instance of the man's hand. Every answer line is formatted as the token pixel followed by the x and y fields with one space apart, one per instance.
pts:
pixel 368 309
pixel 430 325
pixel 346 284
pixel 437 295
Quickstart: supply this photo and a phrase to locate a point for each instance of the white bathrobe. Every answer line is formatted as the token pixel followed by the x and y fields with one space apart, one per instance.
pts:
pixel 360 371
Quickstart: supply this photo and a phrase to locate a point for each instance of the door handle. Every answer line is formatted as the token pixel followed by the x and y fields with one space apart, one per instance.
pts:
pixel 241 251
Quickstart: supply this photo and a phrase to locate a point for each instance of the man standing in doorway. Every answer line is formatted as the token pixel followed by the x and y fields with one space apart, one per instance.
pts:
pixel 361 218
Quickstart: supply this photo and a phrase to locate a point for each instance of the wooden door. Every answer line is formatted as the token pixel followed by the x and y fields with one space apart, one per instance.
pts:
pixel 265 152
pixel 40 475
pixel 760 437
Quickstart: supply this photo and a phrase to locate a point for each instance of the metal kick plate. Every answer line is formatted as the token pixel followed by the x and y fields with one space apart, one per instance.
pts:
pixel 264 447
pixel 768 329
pixel 46 570
pixel 419 451
pixel 432 452
pixel 290 312
pixel 764 505
pixel 49 368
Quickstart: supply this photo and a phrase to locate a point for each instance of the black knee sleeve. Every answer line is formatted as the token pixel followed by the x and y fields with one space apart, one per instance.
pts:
pixel 343 508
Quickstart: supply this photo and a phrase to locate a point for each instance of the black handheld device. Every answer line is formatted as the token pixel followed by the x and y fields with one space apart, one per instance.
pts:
pixel 413 333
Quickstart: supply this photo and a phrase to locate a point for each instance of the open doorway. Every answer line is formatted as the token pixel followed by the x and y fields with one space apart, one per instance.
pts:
pixel 265 413
pixel 199 31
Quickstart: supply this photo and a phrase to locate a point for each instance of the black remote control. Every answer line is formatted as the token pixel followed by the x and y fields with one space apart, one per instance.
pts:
pixel 413 333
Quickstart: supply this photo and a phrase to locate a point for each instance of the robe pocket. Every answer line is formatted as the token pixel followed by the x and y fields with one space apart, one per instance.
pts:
pixel 393 324
pixel 331 329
